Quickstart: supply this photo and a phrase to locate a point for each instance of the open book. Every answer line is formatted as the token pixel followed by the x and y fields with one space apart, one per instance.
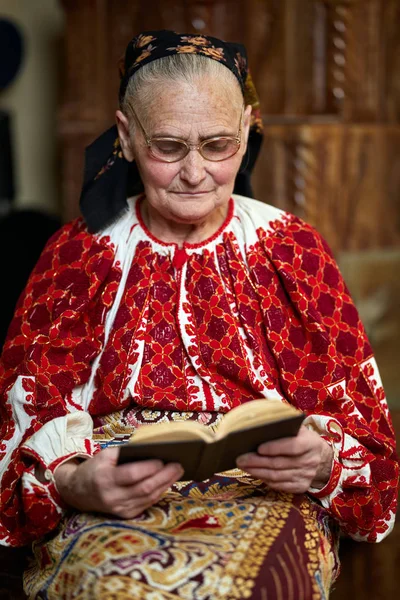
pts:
pixel 202 452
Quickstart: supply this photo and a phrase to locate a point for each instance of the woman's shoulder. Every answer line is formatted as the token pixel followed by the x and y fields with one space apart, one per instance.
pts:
pixel 265 220
pixel 73 253
pixel 262 217
pixel 75 234
pixel 257 209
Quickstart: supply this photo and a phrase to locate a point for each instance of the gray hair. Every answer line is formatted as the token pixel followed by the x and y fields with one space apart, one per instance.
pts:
pixel 177 68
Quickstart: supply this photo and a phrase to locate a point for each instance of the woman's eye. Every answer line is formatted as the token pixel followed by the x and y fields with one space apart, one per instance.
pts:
pixel 168 146
pixel 217 145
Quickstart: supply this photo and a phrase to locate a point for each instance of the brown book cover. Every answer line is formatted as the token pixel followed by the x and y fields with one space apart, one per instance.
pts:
pixel 202 452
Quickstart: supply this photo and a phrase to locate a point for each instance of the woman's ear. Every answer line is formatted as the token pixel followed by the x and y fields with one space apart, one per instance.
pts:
pixel 124 135
pixel 246 126
pixel 247 121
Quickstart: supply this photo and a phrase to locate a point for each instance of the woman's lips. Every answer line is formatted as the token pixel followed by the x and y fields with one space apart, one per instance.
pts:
pixel 192 193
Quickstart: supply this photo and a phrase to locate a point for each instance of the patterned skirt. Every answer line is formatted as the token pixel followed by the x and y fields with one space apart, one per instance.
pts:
pixel 228 537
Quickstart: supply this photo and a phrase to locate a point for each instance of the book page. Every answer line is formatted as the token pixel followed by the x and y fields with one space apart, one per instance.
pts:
pixel 253 413
pixel 173 431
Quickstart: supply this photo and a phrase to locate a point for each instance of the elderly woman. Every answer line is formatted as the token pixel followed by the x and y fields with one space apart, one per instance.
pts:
pixel 175 298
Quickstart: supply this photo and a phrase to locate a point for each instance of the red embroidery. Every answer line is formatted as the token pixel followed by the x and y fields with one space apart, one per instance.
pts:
pixel 180 257
pixel 332 483
pixel 279 317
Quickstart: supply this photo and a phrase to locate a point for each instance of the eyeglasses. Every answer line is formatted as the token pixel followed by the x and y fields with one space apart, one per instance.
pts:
pixel 172 150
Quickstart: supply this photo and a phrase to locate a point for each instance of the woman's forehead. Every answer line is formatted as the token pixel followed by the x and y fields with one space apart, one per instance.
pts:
pixel 183 112
pixel 204 107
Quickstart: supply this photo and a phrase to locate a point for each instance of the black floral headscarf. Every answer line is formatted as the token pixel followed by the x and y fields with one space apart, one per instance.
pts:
pixel 109 179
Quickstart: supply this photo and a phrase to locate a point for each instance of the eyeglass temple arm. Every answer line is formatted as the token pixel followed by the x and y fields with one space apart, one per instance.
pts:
pixel 146 137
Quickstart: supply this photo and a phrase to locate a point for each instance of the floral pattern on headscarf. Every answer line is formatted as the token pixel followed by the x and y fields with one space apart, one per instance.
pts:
pixel 197 40
pixel 211 51
pixel 144 54
pixel 142 40
pixel 152 45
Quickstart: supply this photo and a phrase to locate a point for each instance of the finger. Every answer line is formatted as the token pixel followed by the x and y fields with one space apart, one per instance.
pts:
pixel 283 447
pixel 278 462
pixel 294 446
pixel 250 460
pixel 289 487
pixel 108 455
pixel 128 507
pixel 159 492
pixel 271 462
pixel 287 478
pixel 162 479
pixel 305 441
pixel 131 473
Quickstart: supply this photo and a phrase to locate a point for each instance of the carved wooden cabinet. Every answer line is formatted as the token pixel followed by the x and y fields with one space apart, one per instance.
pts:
pixel 328 76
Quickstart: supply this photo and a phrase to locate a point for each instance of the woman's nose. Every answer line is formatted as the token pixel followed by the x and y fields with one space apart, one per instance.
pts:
pixel 193 169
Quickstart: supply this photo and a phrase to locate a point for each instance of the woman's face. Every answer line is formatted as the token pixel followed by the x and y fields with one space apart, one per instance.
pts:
pixel 190 190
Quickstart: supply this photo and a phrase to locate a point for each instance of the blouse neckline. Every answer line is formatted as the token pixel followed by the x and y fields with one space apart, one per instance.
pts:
pixel 186 245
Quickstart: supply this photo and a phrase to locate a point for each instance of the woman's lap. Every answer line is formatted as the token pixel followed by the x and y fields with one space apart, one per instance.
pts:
pixel 228 537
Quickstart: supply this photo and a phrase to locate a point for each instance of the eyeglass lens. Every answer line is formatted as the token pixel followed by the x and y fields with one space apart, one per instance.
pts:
pixel 173 150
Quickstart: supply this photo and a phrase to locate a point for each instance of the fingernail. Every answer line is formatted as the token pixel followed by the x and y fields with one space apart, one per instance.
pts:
pixel 177 467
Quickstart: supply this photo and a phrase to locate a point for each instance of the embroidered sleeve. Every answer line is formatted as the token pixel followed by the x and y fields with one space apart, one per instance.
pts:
pixel 55 334
pixel 351 470
pixel 328 371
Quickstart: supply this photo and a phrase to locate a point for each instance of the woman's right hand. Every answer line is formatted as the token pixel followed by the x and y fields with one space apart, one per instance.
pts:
pixel 98 484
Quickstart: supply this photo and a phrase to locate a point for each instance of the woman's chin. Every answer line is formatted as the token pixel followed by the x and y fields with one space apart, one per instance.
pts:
pixel 192 209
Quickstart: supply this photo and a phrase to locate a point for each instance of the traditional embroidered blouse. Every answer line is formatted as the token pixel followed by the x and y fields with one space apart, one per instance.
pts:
pixel 120 318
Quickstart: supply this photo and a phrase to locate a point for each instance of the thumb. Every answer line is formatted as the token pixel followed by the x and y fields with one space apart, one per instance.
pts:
pixel 109 456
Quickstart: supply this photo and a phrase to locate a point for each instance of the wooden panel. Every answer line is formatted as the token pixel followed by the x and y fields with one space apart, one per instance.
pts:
pixel 308 57
pixel 349 201
pixel 342 179
pixel 83 98
pixel 391 60
pixel 72 170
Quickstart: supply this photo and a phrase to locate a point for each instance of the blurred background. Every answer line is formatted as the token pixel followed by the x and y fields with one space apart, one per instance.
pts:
pixel 328 76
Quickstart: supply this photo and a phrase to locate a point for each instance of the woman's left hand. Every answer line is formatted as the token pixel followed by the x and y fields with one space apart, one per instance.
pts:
pixel 291 464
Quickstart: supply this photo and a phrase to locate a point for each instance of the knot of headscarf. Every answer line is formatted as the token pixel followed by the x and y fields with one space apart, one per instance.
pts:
pixel 109 179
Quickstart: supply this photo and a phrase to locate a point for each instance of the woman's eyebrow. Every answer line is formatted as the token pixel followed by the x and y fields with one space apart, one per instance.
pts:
pixel 219 133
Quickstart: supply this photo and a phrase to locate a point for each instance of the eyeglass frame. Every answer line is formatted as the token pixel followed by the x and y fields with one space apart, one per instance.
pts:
pixel 189 147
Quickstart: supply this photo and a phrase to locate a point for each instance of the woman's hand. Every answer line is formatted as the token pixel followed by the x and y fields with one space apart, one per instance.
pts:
pixel 99 484
pixel 291 464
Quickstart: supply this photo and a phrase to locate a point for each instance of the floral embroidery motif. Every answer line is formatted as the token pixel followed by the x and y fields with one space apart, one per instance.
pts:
pixel 143 40
pixel 197 40
pixel 145 54
pixel 241 63
pixel 215 53
pixel 116 154
pixel 187 49
pixel 268 317
pixel 211 51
